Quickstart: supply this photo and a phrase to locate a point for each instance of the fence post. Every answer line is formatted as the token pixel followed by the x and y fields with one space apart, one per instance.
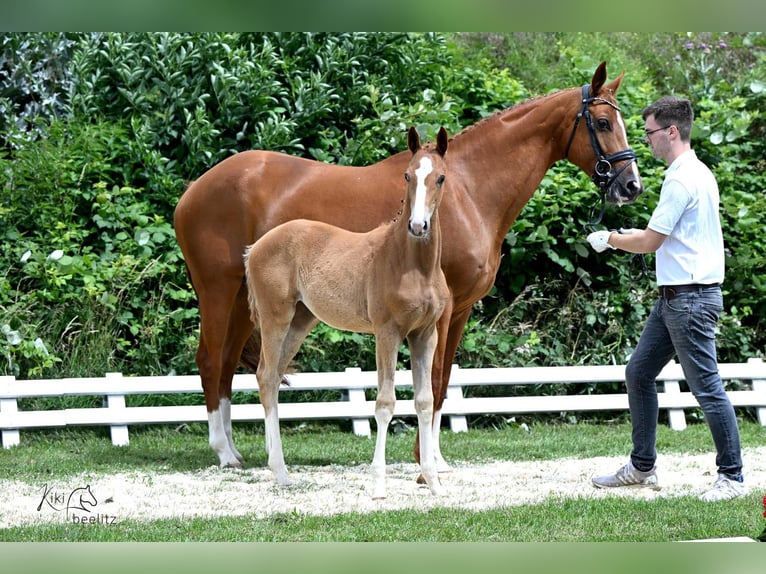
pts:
pixel 361 426
pixel 676 417
pixel 759 385
pixel 457 423
pixel 10 437
pixel 120 436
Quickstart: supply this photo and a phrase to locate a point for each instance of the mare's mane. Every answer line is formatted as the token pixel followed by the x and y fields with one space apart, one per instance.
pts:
pixel 517 108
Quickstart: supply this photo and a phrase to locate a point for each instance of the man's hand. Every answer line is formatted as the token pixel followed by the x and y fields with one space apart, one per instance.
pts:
pixel 599 240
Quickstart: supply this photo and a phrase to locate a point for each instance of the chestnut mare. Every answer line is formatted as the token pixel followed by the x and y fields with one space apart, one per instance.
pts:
pixel 495 167
pixel 388 282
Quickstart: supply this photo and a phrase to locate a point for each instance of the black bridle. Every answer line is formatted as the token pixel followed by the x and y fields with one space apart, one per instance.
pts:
pixel 604 174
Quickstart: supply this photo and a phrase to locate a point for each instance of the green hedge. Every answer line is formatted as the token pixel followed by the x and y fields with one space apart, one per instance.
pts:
pixel 100 132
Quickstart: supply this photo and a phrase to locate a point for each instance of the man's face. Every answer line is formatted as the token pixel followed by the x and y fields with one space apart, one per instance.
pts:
pixel 658 137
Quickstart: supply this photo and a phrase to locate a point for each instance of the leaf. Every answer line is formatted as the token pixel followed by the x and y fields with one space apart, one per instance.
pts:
pixel 12 336
pixel 142 237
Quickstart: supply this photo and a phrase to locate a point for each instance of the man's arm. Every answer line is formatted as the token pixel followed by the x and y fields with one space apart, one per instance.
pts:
pixel 631 240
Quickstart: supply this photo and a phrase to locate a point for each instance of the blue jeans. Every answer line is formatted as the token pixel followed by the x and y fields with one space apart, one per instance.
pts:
pixel 682 326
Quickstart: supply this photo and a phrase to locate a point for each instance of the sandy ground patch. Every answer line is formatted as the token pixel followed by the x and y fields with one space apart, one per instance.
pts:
pixel 327 490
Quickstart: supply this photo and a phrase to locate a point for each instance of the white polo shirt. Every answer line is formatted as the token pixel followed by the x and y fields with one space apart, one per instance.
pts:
pixel 687 212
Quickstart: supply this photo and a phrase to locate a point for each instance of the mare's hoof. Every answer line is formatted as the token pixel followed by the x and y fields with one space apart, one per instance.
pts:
pixel 421 480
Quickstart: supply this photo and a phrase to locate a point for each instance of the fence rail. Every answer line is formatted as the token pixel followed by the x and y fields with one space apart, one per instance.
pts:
pixel 354 404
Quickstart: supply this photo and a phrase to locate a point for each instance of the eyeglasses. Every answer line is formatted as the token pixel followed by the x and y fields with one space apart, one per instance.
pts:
pixel 648 133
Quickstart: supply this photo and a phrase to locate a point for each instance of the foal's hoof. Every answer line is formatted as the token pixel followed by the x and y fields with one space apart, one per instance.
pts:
pixel 233 464
pixel 437 490
pixel 421 480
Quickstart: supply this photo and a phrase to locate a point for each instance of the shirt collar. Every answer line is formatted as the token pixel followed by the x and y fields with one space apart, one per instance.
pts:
pixel 685 156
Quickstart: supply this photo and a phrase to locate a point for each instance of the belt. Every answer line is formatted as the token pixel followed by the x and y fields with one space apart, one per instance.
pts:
pixel 669 291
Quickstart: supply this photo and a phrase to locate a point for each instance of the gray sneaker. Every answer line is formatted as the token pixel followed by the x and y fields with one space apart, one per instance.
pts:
pixel 724 488
pixel 628 475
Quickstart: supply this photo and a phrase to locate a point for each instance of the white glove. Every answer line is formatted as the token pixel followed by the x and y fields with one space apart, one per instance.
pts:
pixel 599 240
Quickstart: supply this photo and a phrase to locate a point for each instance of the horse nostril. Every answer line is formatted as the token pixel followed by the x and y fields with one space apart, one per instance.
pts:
pixel 418 229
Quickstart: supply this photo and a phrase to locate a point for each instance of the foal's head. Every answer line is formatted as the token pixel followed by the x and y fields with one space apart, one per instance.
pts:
pixel 425 178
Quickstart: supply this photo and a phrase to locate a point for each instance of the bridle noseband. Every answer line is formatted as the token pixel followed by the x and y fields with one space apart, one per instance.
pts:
pixel 603 174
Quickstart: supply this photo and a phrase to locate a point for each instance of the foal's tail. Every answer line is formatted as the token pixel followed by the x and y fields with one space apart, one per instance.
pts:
pixel 250 290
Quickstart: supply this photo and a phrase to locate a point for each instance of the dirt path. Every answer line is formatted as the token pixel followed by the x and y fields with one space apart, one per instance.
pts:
pixel 335 489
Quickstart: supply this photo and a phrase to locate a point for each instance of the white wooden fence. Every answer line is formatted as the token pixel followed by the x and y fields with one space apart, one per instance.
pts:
pixel 354 404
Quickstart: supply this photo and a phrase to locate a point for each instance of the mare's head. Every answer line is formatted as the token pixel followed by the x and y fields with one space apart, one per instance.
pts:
pixel 425 177
pixel 598 142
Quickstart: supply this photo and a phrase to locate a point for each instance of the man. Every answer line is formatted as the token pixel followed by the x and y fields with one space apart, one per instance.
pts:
pixel 685 232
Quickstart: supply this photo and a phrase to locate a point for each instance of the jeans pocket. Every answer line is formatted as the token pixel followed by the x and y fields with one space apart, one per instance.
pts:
pixel 679 304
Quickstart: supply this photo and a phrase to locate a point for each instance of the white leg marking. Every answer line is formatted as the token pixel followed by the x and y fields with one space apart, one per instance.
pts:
pixel 225 408
pixel 218 441
pixel 274 449
pixel 383 417
pixel 441 464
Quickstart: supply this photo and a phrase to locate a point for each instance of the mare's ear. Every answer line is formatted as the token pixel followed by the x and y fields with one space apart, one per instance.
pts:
pixel 442 141
pixel 614 85
pixel 413 139
pixel 599 77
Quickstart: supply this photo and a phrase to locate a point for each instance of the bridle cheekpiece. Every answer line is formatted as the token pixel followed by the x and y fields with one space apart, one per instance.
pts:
pixel 603 174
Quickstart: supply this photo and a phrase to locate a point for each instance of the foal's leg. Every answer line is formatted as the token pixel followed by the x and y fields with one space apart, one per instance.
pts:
pixel 274 330
pixel 422 346
pixel 439 363
pixel 303 322
pixel 386 350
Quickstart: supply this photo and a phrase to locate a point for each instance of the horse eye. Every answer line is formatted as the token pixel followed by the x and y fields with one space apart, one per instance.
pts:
pixel 603 124
pixel 440 180
pixel 406 177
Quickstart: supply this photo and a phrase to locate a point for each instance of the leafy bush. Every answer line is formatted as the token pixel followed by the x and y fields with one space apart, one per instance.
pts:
pixel 100 132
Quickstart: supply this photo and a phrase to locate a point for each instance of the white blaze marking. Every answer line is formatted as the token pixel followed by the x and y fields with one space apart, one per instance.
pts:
pixel 421 173
pixel 633 165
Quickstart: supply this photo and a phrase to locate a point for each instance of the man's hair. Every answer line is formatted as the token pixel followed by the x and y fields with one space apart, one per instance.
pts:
pixel 672 111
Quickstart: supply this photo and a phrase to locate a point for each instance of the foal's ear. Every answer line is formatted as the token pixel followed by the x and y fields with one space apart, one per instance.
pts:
pixel 413 139
pixel 442 141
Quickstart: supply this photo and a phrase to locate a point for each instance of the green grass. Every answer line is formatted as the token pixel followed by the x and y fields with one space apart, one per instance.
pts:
pixel 163 449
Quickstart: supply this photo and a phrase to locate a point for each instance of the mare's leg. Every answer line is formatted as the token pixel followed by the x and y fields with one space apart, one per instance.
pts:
pixel 240 330
pixel 422 347
pixel 454 335
pixel 386 351
pixel 218 301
